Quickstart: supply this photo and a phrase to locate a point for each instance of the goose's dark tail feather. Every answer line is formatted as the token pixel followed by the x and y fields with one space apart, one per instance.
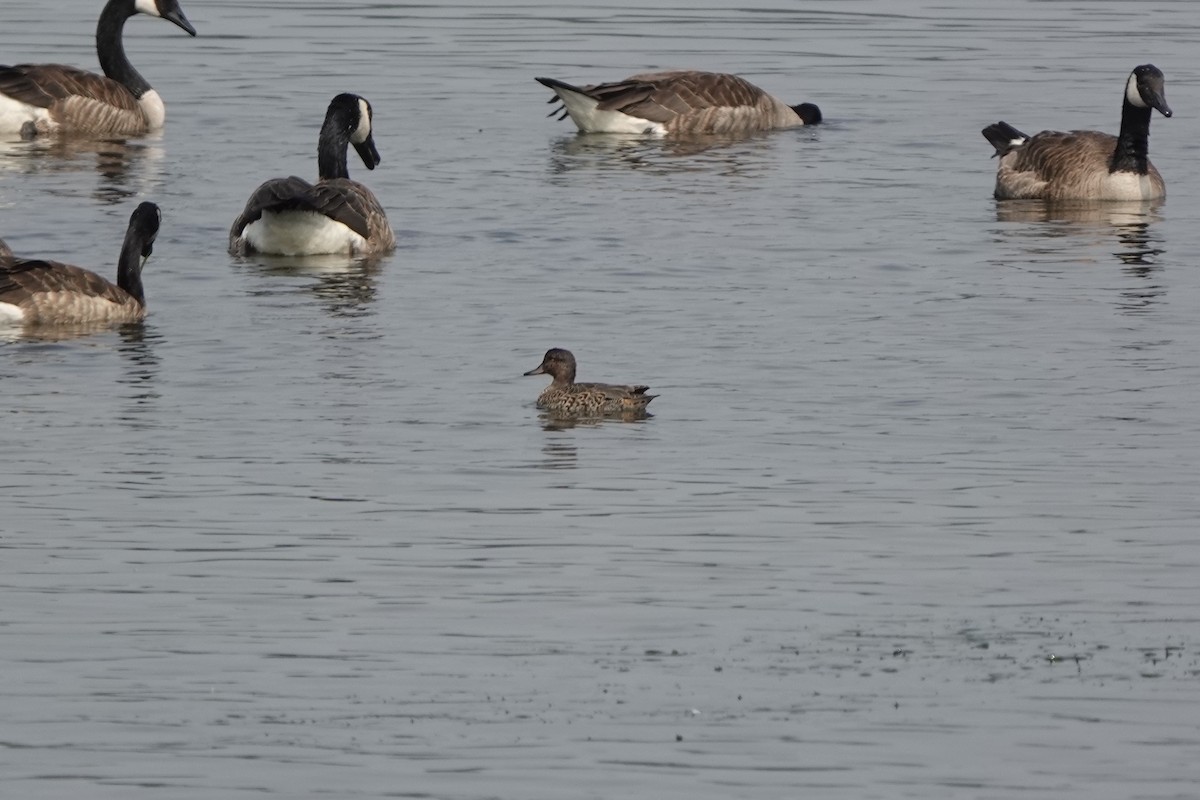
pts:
pixel 1004 137
pixel 553 83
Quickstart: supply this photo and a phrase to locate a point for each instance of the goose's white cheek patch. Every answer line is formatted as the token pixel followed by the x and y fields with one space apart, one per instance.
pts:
pixel 146 7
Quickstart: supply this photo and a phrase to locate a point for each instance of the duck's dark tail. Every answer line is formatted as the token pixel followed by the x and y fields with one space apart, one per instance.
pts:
pixel 1004 137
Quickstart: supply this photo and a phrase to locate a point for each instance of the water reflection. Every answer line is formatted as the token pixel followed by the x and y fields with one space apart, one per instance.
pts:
pixel 126 168
pixel 136 347
pixel 561 451
pixel 1129 221
pixel 345 285
pixel 50 334
pixel 1082 211
pixel 551 423
pixel 1132 224
pixel 605 151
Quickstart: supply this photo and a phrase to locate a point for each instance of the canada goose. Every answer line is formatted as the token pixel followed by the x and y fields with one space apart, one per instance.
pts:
pixel 566 398
pixel 38 99
pixel 34 292
pixel 1086 165
pixel 292 217
pixel 677 102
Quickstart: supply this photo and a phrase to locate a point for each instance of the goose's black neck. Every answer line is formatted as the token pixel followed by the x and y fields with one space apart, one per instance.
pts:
pixel 111 49
pixel 331 148
pixel 129 267
pixel 1133 143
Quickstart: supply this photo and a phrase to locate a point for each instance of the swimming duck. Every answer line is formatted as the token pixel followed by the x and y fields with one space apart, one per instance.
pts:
pixel 677 102
pixel 1086 165
pixel 292 217
pixel 38 99
pixel 565 398
pixel 35 292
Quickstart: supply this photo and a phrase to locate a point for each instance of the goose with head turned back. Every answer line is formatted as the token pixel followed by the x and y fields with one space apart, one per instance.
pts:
pixel 35 292
pixel 677 102
pixel 290 216
pixel 39 99
pixel 1086 165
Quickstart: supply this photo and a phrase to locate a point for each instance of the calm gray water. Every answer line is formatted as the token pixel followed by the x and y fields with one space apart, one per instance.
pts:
pixel 916 517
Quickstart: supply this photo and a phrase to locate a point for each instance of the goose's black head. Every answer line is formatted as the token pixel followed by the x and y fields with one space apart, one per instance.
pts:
pixel 167 9
pixel 143 227
pixel 808 112
pixel 351 117
pixel 1146 89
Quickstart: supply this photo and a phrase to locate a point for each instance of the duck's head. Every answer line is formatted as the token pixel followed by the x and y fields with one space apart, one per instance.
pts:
pixel 558 364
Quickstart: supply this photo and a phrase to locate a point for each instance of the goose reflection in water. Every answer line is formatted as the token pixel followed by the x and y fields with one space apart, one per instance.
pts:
pixel 698 153
pixel 1099 214
pixel 54 334
pixel 1131 223
pixel 345 284
pixel 125 169
pixel 140 378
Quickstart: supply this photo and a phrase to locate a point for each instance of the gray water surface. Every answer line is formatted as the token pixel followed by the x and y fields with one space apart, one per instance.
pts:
pixel 916 515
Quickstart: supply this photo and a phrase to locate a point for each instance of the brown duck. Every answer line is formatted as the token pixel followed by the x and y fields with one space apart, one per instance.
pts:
pixel 566 398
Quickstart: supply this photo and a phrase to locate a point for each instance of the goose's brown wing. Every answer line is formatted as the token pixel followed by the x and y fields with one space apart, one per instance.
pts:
pixel 21 280
pixel 333 198
pixel 43 85
pixel 1052 154
pixel 663 96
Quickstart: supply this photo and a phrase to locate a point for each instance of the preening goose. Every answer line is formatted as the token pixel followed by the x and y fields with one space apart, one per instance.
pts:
pixel 1086 165
pixel 34 292
pixel 290 216
pixel 677 102
pixel 38 99
pixel 567 399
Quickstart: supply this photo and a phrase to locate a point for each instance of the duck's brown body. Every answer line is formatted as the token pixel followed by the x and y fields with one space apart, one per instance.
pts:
pixel 566 398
